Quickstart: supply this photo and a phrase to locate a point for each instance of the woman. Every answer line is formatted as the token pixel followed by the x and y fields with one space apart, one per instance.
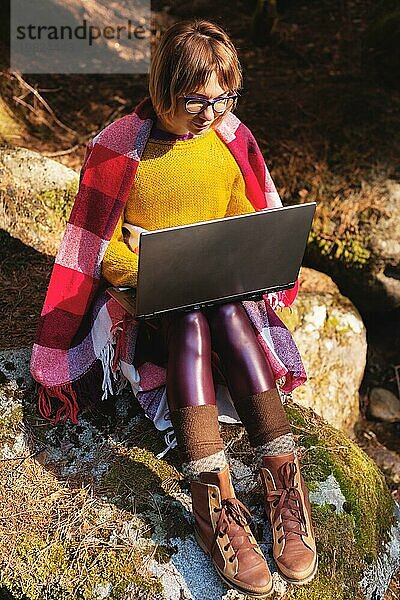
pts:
pixel 182 157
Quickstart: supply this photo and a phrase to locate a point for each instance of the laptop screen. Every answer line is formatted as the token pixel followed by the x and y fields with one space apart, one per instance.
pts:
pixel 215 261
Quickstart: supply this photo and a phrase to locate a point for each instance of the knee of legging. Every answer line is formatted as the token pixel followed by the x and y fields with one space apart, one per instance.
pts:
pixel 193 319
pixel 228 313
pixel 193 333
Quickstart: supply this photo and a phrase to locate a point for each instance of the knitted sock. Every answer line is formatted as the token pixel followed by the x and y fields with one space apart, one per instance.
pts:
pixel 197 432
pixel 192 469
pixel 280 445
pixel 263 417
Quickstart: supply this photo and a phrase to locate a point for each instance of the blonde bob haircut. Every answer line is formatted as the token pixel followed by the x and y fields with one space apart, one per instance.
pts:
pixel 189 51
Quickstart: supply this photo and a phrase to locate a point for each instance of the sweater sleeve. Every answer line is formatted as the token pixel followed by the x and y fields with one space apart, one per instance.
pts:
pixel 120 264
pixel 238 203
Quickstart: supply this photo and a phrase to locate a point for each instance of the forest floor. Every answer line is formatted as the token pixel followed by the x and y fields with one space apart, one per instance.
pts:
pixel 311 96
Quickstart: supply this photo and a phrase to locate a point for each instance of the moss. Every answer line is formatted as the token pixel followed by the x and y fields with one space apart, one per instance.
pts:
pixel 296 418
pixel 140 473
pixel 137 477
pixel 51 564
pixel 333 326
pixel 79 556
pixel 11 413
pixel 59 565
pixel 34 422
pixel 290 316
pixel 322 587
pixel 326 451
pixel 346 542
pixel 120 569
pixel 69 542
pixel 351 250
pixel 162 554
pixel 318 464
pixel 28 547
pixel 60 200
pixel 57 558
pixel 48 557
pixel 339 561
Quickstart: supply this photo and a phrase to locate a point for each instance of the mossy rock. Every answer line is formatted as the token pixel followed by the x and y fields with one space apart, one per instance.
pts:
pixel 91 512
pixel 353 523
pixel 11 129
pixel 81 507
pixel 11 414
pixel 331 336
pixel 36 196
pixel 356 240
pixel 351 540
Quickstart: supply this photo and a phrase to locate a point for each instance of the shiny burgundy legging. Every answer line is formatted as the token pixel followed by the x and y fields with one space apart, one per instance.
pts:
pixel 190 337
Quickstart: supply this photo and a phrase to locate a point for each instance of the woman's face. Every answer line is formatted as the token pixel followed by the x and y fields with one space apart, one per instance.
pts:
pixel 183 122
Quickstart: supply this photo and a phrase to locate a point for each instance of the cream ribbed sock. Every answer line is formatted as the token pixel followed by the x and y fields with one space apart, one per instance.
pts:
pixel 192 469
pixel 280 445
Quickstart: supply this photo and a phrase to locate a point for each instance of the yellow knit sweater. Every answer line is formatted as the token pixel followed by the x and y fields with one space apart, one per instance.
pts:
pixel 177 182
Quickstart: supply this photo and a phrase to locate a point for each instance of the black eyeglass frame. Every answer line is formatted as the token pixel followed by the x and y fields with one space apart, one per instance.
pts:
pixel 208 103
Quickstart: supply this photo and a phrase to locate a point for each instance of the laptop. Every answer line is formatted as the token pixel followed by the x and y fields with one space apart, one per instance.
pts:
pixel 212 262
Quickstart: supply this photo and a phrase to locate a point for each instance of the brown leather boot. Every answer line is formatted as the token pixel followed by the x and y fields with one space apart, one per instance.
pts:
pixel 288 507
pixel 222 531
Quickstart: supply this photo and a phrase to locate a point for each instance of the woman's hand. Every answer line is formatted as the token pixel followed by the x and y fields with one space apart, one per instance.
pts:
pixel 131 235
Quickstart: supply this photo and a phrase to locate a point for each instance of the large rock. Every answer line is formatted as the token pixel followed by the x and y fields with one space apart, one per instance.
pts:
pixel 383 405
pixel 36 196
pixel 11 129
pixel 331 337
pixel 358 243
pixel 90 508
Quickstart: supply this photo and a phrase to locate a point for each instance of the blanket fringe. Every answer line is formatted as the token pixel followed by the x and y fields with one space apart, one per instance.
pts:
pixel 67 399
pixel 170 441
pixel 102 380
pixel 66 395
pixel 113 380
pixel 107 358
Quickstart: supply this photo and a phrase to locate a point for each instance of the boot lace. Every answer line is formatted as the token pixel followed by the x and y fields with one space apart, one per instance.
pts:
pixel 233 517
pixel 288 503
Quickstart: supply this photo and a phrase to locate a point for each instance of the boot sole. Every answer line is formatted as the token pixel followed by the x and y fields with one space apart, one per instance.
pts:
pixel 300 581
pixel 228 582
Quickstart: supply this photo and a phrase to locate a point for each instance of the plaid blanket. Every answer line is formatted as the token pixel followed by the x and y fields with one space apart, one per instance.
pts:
pixel 85 343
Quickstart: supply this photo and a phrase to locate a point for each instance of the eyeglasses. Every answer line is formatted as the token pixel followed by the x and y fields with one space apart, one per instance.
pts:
pixel 195 105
